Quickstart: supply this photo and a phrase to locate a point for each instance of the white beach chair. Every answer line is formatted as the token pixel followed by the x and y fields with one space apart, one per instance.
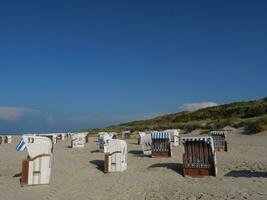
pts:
pixel 116 156
pixel 103 138
pixel 146 143
pixel 174 136
pixel 78 140
pixel 36 169
pixel 141 135
pixel 126 134
pixel 5 139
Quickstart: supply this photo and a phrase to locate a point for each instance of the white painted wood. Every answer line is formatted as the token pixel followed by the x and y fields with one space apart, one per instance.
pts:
pixel 78 140
pixel 175 139
pixel 117 159
pixel 39 171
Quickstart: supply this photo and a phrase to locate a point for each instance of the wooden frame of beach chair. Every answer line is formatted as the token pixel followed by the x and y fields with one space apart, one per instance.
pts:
pixel 219 139
pixel 199 158
pixel 115 159
pixel 161 144
pixel 36 169
pixel 87 138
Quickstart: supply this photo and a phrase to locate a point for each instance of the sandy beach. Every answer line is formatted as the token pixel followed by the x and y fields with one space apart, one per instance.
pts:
pixel 78 174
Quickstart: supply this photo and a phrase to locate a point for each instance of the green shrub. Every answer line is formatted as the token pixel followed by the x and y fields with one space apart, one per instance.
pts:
pixel 254 127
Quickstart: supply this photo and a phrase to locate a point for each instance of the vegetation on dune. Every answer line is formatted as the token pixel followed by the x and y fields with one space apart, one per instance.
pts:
pixel 252 115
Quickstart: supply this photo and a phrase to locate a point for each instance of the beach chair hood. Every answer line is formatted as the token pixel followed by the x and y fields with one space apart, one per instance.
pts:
pixel 37 145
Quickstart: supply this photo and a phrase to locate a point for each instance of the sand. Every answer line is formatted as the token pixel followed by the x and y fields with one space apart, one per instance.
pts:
pixel 78 174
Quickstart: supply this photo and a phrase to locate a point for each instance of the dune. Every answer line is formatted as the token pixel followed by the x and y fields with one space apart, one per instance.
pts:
pixel 78 174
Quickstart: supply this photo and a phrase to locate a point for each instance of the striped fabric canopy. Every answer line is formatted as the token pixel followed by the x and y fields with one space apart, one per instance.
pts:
pixel 21 145
pixel 218 133
pixel 207 140
pixel 160 135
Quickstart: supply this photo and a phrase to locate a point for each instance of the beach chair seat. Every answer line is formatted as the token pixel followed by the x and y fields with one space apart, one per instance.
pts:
pixel 199 157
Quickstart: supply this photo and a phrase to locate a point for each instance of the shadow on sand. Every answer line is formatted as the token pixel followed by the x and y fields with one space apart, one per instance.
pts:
pixel 177 167
pixel 95 151
pixel 136 152
pixel 99 164
pixel 17 175
pixel 246 174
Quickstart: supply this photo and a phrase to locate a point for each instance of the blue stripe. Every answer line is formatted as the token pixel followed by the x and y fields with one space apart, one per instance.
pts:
pixel 21 146
pixel 160 135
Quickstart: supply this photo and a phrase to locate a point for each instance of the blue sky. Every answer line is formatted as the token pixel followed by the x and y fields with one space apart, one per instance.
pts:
pixel 69 65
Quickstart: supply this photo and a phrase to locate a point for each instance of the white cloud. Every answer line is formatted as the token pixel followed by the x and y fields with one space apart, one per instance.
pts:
pixel 14 113
pixel 197 106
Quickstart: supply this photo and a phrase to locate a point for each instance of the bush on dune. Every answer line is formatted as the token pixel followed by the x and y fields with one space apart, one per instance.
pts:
pixel 254 127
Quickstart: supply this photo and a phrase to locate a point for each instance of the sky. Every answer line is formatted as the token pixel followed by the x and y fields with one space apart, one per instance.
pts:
pixel 72 65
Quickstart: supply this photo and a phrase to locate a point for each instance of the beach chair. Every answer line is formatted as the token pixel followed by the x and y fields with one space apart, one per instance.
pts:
pixel 8 139
pixel 146 143
pixel 100 134
pixel 60 136
pixel 103 137
pixel 5 139
pixel 87 138
pixel 140 136
pixel 199 158
pixel 78 140
pixel 175 139
pixel 113 135
pixel 161 144
pixel 126 135
pixel 219 139
pixel 115 159
pixel 36 169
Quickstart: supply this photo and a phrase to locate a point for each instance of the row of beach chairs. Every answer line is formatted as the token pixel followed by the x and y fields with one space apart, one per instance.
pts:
pixel 199 157
pixel 5 139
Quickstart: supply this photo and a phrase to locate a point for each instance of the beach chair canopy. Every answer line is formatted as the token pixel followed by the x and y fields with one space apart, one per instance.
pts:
pixel 35 145
pixel 218 133
pixel 160 135
pixel 206 139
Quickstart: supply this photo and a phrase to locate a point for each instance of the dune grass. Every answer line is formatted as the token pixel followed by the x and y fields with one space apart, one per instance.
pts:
pixel 251 114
